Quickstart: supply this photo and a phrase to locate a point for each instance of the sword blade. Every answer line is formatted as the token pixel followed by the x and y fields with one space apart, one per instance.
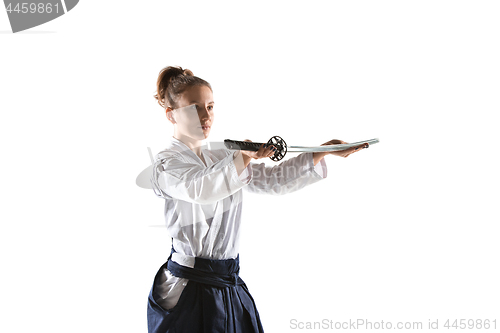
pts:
pixel 318 149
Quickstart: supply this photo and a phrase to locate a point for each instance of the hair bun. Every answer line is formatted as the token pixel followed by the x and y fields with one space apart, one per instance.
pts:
pixel 172 73
pixel 187 72
pixel 172 81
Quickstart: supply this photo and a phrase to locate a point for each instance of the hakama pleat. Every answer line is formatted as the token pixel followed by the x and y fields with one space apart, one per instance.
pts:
pixel 227 307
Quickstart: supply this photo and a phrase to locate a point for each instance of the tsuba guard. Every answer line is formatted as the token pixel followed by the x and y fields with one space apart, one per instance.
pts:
pixel 281 147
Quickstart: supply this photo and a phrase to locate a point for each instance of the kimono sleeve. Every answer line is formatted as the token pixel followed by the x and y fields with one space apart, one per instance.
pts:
pixel 289 176
pixel 174 177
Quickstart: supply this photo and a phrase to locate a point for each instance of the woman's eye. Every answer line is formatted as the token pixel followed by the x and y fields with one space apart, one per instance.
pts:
pixel 210 108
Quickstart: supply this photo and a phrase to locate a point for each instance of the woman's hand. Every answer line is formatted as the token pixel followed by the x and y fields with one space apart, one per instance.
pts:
pixel 342 153
pixel 263 152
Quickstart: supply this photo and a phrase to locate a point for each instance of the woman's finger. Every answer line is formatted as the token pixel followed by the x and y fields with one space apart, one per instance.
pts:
pixel 265 150
pixel 333 142
pixel 271 150
pixel 354 149
pixel 262 150
pixel 365 145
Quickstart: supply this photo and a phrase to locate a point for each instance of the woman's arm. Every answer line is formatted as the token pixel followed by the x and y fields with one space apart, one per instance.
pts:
pixel 318 157
pixel 286 177
pixel 174 177
pixel 295 173
pixel 342 153
pixel 244 157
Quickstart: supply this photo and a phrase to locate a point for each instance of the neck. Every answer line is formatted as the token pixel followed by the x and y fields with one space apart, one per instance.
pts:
pixel 193 144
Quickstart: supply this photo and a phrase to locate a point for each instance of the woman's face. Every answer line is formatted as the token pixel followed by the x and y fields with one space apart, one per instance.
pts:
pixel 195 113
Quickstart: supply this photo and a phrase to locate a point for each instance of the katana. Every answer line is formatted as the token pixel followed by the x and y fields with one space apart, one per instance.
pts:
pixel 282 148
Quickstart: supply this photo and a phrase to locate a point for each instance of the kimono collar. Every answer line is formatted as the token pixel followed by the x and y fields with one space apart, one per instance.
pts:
pixel 178 145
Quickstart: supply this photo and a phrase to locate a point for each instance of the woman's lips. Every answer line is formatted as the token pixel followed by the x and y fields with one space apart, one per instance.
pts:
pixel 205 127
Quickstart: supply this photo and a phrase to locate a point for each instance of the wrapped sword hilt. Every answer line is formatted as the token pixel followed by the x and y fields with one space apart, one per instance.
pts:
pixel 276 141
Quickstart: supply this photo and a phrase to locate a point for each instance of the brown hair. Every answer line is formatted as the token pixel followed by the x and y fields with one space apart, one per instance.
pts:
pixel 173 81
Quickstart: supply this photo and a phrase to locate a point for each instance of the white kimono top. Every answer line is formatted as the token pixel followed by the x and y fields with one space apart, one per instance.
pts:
pixel 203 202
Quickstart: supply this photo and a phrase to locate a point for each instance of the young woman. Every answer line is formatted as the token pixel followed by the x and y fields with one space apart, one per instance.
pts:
pixel 198 289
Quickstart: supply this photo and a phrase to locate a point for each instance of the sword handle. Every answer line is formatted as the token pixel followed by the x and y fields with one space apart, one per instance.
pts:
pixel 242 145
pixel 275 141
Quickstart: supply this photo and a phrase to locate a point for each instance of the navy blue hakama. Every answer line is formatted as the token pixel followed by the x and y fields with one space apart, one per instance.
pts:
pixel 215 300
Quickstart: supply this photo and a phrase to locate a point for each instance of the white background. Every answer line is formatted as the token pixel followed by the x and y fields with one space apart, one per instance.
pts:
pixel 406 230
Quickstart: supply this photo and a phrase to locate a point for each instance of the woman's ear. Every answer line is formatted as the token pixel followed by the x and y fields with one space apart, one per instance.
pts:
pixel 170 115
